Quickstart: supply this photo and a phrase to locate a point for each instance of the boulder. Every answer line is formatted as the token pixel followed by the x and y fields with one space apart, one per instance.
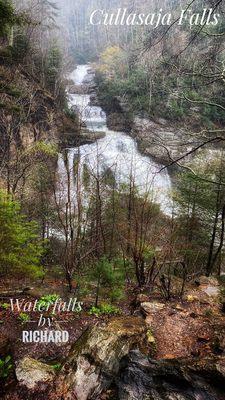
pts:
pixel 94 99
pixel 152 135
pixel 118 122
pixel 142 298
pixel 220 367
pixel 138 300
pixel 209 281
pixel 151 307
pixel 94 359
pixel 33 374
pixel 85 136
pixel 209 285
pixel 140 377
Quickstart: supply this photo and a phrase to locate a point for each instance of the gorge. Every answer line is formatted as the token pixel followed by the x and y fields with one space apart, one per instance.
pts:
pixel 112 200
pixel 116 152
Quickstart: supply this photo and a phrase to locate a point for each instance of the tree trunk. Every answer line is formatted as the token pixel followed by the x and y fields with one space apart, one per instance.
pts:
pixel 212 243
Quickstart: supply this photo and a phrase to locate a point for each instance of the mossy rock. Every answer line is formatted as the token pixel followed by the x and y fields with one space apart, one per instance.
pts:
pixel 94 359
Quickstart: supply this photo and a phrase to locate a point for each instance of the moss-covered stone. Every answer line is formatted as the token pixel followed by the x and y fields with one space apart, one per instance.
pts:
pixel 94 359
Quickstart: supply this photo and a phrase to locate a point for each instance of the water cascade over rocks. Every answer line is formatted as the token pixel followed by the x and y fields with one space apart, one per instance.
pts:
pixel 115 153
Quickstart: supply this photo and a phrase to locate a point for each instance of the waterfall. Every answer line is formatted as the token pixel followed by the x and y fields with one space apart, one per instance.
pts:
pixel 116 152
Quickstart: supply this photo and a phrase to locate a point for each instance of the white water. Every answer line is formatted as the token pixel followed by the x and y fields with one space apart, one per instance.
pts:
pixel 116 151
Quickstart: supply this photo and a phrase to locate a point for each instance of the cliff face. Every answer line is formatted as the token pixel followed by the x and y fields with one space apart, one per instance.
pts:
pixel 27 112
pixel 29 115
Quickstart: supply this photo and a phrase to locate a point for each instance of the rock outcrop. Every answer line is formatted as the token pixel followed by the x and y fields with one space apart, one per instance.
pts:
pixel 160 140
pixel 166 143
pixel 94 359
pixel 85 136
pixel 118 122
pixel 33 374
pixel 141 378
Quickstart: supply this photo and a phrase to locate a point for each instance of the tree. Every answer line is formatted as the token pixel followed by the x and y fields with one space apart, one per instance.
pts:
pixel 7 17
pixel 20 248
pixel 108 275
pixel 201 214
pixel 53 70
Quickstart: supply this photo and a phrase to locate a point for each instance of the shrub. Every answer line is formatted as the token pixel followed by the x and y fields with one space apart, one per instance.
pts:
pixel 108 275
pixel 46 301
pixel 104 309
pixel 5 366
pixel 23 317
pixel 20 248
pixel 116 294
pixel 4 306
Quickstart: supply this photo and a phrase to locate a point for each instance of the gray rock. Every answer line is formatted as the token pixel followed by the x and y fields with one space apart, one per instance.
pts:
pixel 209 281
pixel 32 373
pixel 118 122
pixel 220 367
pixel 95 357
pixel 141 378
pixel 160 140
pixel 151 307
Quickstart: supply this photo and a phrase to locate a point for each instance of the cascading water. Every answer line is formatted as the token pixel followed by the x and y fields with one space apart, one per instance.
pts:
pixel 116 152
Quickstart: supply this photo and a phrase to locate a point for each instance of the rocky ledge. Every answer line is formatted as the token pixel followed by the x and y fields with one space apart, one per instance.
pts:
pixel 142 378
pixel 85 136
pixel 94 360
pixel 160 140
pixel 166 143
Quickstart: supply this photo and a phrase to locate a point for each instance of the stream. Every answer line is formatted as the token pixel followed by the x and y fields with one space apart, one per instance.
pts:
pixel 116 152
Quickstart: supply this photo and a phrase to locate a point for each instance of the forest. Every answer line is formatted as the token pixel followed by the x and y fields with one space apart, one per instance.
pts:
pixel 112 201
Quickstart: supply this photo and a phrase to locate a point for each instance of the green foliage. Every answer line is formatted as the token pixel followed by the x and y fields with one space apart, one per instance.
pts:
pixel 199 201
pixel 108 276
pixel 104 309
pixel 24 318
pixel 11 90
pixel 70 113
pixel 175 110
pixel 155 86
pixel 46 301
pixel 5 366
pixel 42 148
pixel 21 46
pixel 20 248
pixel 151 341
pixel 116 294
pixel 221 279
pixel 53 67
pixel 57 367
pixel 5 306
pixel 222 293
pixel 7 16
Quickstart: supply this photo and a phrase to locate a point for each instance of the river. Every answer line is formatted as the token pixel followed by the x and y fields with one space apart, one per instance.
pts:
pixel 116 152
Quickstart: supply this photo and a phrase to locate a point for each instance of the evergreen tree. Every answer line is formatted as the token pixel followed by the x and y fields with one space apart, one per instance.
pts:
pixel 7 16
pixel 20 249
